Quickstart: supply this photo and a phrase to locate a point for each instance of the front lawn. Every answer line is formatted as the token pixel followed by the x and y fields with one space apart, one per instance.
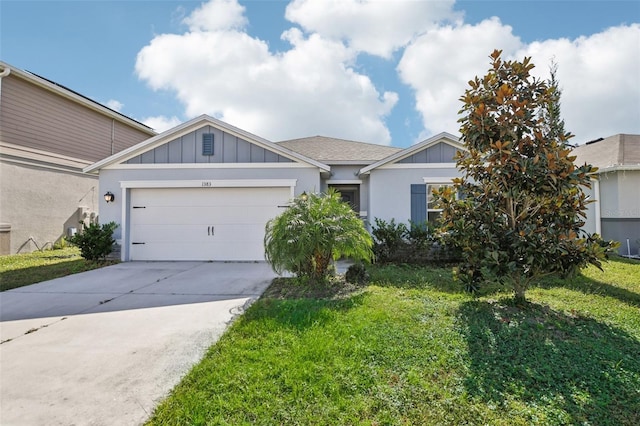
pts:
pixel 411 349
pixel 18 270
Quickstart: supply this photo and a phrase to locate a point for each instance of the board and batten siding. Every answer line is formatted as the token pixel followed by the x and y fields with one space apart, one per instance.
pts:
pixel 438 153
pixel 227 148
pixel 40 119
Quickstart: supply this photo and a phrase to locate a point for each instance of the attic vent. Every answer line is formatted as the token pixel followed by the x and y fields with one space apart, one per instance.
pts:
pixel 207 144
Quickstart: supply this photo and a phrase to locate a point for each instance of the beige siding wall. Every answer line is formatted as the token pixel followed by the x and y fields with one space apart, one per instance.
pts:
pixel 37 118
pixel 41 203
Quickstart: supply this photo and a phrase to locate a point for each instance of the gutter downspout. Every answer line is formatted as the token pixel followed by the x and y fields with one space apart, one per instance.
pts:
pixel 113 135
pixel 5 72
pixel 596 193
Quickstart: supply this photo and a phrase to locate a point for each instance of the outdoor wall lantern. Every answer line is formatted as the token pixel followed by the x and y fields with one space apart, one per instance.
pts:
pixel 304 196
pixel 109 197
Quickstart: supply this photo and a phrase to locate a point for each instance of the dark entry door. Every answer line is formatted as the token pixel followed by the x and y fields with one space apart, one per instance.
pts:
pixel 350 194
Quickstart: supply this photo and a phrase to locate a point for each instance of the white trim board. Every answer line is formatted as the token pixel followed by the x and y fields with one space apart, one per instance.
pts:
pixel 419 166
pixel 209 183
pixel 344 181
pixel 168 166
pixel 444 180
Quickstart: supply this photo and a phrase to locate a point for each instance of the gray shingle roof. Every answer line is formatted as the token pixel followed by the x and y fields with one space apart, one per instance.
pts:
pixel 335 151
pixel 614 151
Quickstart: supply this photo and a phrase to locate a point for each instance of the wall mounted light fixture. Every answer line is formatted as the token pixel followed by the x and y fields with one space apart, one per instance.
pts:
pixel 109 197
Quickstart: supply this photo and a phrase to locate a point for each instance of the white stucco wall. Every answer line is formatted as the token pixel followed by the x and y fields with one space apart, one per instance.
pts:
pixel 390 190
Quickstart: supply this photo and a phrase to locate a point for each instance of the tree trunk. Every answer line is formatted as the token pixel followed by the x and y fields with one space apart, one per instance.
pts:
pixel 519 289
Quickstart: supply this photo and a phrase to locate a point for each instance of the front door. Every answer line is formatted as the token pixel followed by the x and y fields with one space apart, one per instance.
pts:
pixel 350 194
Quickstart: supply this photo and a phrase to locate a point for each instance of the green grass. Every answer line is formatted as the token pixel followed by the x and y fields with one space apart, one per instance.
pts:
pixel 412 349
pixel 19 270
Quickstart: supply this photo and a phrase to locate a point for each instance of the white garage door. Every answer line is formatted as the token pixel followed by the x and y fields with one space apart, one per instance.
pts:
pixel 202 223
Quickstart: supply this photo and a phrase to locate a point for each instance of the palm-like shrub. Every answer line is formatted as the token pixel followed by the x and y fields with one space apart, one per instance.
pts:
pixel 312 232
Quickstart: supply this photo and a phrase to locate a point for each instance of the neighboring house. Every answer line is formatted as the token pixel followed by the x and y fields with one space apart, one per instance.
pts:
pixel 615 212
pixel 204 190
pixel 48 134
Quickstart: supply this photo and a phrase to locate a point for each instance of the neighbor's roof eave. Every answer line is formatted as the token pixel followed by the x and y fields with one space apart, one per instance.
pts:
pixel 76 97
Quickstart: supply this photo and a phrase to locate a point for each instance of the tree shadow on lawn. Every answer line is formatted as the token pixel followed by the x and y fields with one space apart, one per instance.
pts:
pixel 580 370
pixel 408 276
pixel 590 286
pixel 441 279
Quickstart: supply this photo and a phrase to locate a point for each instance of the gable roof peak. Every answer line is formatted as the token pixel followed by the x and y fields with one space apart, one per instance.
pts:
pixel 193 125
pixel 444 137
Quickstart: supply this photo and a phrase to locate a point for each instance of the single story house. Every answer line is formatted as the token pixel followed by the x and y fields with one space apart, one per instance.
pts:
pixel 48 134
pixel 204 190
pixel 615 212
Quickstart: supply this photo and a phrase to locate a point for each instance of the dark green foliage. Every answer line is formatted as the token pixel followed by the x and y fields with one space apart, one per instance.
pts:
pixel 356 274
pixel 95 241
pixel 521 204
pixel 418 243
pixel 388 238
pixel 314 231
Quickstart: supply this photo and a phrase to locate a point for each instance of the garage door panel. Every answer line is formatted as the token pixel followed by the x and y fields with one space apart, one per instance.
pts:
pixel 202 223
pixel 200 215
pixel 217 197
pixel 168 232
pixel 171 251
pixel 173 215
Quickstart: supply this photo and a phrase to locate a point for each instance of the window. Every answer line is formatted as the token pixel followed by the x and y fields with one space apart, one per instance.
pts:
pixel 207 144
pixel 423 207
pixel 433 213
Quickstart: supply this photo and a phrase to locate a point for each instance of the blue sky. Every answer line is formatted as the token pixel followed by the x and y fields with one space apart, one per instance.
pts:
pixel 388 72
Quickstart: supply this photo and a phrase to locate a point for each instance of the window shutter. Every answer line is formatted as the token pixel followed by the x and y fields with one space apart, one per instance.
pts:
pixel 207 144
pixel 418 203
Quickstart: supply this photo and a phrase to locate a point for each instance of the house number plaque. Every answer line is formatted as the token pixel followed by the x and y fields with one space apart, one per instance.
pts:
pixel 207 184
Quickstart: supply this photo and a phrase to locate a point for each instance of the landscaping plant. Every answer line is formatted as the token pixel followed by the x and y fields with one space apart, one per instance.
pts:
pixel 95 241
pixel 418 243
pixel 520 203
pixel 313 231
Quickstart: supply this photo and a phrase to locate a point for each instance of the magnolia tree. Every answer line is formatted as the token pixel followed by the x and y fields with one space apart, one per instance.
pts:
pixel 313 231
pixel 518 208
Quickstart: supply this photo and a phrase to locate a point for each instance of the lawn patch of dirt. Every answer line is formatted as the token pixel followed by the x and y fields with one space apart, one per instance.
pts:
pixel 294 288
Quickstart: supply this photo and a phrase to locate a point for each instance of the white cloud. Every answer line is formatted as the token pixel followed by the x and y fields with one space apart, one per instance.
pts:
pixel 317 87
pixel 309 89
pixel 599 75
pixel 114 105
pixel 375 27
pixel 161 123
pixel 217 15
pixel 439 64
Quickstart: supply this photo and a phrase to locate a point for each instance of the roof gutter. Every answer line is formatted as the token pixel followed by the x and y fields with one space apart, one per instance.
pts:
pixel 621 167
pixel 5 72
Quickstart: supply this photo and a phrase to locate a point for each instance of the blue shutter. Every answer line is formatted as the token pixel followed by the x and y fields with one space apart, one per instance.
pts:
pixel 207 144
pixel 418 203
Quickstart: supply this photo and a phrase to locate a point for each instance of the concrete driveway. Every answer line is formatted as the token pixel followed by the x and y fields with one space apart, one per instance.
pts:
pixel 104 347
